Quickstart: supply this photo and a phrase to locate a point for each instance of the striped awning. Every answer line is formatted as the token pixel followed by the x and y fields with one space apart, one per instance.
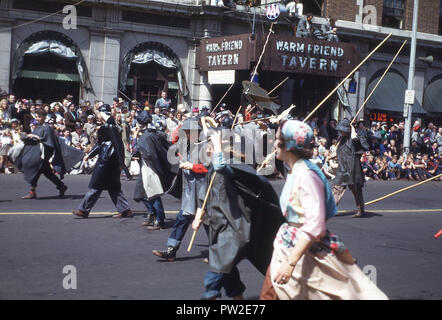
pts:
pixel 31 74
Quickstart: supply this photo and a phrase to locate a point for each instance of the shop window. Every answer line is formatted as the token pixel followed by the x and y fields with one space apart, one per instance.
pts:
pixel 393 14
pixel 50 6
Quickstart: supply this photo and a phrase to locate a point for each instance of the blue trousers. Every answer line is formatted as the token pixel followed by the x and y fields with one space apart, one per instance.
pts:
pixel 179 229
pixel 155 206
pixel 231 282
pixel 182 223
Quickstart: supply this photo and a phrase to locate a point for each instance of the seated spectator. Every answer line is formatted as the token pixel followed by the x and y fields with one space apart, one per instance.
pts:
pixel 368 168
pixel 322 145
pixel 315 158
pixel 380 168
pixel 304 29
pixel 394 168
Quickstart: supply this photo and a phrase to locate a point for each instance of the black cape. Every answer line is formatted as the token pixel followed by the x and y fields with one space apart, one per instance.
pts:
pixel 244 217
pixel 153 146
pixel 349 153
pixel 31 159
pixel 110 150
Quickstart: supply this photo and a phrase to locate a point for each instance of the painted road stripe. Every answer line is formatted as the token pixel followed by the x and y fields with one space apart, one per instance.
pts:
pixel 172 212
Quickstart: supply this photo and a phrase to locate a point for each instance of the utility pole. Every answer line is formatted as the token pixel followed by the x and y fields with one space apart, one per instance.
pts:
pixel 408 107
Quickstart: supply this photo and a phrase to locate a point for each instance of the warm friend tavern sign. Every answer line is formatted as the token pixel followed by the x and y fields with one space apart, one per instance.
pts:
pixel 283 54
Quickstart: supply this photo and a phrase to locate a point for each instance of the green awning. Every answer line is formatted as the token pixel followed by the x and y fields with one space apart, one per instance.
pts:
pixel 390 95
pixel 31 74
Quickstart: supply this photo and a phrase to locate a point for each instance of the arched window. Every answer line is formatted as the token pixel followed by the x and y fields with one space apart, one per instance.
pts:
pixel 433 96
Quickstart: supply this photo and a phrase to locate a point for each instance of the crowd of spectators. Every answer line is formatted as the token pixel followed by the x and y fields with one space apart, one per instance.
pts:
pixel 77 126
pixel 386 158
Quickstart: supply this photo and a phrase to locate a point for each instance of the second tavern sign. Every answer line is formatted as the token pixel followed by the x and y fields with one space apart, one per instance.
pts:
pixel 302 55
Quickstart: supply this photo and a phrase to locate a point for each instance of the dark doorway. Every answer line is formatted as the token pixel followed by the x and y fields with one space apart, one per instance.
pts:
pixel 43 76
pixel 146 81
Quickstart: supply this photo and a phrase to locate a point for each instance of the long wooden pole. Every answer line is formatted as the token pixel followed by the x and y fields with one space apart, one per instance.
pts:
pixel 225 94
pixel 348 76
pixel 374 89
pixel 214 174
pixel 379 81
pixel 280 84
pixel 270 156
pixel 402 190
pixel 192 240
pixel 256 68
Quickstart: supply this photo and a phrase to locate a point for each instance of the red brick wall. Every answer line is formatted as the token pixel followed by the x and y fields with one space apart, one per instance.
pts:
pixel 428 12
pixel 342 9
pixel 428 20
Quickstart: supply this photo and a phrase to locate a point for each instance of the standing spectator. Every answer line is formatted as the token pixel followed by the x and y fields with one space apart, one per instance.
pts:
pixel 430 132
pixel 332 133
pixel 79 137
pixel 163 102
pixel 71 118
pixel 90 128
pixel 323 130
pixel 5 114
pixel 5 145
pixel 439 139
pixel 66 138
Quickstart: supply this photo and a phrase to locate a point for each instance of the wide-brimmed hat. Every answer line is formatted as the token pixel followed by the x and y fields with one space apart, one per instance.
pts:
pixel 105 111
pixel 191 124
pixel 297 134
pixel 344 126
pixel 144 118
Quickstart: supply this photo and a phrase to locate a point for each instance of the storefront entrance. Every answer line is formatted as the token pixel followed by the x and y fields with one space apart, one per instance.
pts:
pixel 47 77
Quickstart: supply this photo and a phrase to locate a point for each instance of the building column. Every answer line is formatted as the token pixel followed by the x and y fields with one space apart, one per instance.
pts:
pixel 104 64
pixel 198 82
pixel 5 55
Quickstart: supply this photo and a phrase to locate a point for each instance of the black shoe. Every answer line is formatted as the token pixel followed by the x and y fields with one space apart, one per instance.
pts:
pixel 62 190
pixel 157 226
pixel 149 221
pixel 168 254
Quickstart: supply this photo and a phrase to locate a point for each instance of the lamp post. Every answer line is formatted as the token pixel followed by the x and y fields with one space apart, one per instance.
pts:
pixel 408 108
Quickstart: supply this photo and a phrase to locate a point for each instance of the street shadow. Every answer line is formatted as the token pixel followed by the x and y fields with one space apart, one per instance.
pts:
pixel 5 200
pixel 93 217
pixel 368 214
pixel 66 197
pixel 202 255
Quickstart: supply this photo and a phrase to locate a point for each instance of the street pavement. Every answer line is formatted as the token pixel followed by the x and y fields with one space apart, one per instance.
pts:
pixel 395 245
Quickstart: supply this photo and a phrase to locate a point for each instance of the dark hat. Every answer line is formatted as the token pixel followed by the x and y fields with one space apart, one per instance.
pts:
pixel 227 123
pixel 191 124
pixel 204 108
pixel 223 105
pixel 344 125
pixel 78 126
pixel 38 102
pixel 361 120
pixel 144 118
pixel 105 108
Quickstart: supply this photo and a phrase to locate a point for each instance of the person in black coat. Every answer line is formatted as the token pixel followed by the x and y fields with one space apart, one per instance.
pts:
pixel 106 174
pixel 349 173
pixel 40 146
pixel 156 174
